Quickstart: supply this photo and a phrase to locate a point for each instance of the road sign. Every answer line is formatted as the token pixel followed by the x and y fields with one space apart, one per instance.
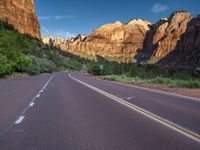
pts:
pixel 101 67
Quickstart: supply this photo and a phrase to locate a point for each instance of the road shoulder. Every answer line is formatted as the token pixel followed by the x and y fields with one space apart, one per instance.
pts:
pixel 158 87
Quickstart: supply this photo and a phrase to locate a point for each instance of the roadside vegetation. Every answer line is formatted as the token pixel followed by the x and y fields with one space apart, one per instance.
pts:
pixel 21 53
pixel 145 74
pixel 191 83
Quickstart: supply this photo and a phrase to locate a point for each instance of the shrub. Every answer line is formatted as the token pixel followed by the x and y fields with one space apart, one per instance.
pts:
pixel 5 66
pixel 94 69
pixel 22 62
pixel 40 66
pixel 195 83
pixel 16 58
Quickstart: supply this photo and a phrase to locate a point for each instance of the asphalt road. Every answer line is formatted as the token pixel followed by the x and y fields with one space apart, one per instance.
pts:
pixel 57 112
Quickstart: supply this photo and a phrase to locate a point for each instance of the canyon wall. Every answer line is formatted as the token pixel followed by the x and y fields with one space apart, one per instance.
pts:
pixel 111 40
pixel 187 52
pixel 164 36
pixel 142 41
pixel 21 15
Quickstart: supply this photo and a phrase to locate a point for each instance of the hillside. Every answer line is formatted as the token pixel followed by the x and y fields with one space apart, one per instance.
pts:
pixel 21 53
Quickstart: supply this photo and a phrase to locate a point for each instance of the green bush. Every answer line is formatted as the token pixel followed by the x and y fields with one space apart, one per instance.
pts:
pixel 22 62
pixel 40 66
pixel 94 69
pixel 5 66
pixel 73 65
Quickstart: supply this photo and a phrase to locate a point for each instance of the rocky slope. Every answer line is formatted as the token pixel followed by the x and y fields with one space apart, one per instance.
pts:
pixel 164 35
pixel 21 15
pixel 140 40
pixel 187 51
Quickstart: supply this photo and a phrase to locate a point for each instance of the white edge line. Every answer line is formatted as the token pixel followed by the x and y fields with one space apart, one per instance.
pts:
pixel 165 122
pixel 31 104
pixel 20 119
pixel 152 90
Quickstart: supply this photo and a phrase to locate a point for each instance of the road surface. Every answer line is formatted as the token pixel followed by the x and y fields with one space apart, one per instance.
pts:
pixel 63 111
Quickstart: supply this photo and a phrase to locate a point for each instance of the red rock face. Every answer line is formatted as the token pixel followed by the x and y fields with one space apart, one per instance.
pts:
pixel 187 51
pixel 164 36
pixel 169 33
pixel 111 40
pixel 169 41
pixel 21 15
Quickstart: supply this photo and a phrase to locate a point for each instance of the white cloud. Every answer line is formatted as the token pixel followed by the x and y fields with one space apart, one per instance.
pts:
pixel 57 33
pixel 63 34
pixel 157 8
pixel 57 17
pixel 44 17
pixel 65 17
pixel 45 30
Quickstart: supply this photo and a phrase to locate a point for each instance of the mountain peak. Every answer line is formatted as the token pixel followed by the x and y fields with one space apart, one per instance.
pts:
pixel 138 21
pixel 118 23
pixel 145 24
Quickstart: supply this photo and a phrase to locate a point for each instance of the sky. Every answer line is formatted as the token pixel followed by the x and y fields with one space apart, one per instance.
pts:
pixel 67 18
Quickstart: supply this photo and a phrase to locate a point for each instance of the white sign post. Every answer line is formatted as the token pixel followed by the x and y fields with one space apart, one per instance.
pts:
pixel 101 67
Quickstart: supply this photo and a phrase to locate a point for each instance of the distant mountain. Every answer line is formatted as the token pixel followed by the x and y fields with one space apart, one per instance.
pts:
pixel 21 15
pixel 142 41
pixel 117 40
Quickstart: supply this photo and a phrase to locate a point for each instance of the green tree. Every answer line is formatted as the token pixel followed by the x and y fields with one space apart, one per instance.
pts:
pixel 5 66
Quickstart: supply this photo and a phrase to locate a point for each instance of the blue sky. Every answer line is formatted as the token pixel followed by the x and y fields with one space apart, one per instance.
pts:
pixel 67 18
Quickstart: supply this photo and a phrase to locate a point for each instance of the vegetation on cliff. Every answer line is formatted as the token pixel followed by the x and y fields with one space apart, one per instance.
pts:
pixel 21 53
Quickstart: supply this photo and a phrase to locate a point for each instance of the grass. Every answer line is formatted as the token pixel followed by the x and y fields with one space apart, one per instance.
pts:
pixel 190 83
pixel 14 75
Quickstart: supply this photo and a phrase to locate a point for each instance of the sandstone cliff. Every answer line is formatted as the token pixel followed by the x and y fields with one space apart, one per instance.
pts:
pixel 187 51
pixel 145 41
pixel 111 40
pixel 169 33
pixel 21 15
pixel 163 36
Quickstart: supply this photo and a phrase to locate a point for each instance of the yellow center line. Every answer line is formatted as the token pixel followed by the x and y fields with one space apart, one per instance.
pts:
pixel 184 131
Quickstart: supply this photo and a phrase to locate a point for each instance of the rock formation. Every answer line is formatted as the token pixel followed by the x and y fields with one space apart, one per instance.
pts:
pixel 164 36
pixel 147 42
pixel 187 51
pixel 21 15
pixel 111 40
pixel 169 33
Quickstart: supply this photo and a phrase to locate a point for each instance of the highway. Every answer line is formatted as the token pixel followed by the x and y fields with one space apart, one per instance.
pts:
pixel 73 111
